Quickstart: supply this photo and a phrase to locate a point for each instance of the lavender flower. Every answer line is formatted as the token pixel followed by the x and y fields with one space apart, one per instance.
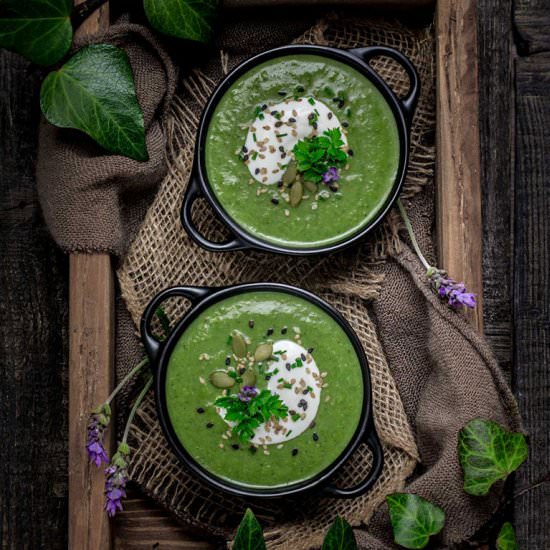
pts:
pixel 331 175
pixel 448 289
pixel 117 477
pixel 247 393
pixel 97 424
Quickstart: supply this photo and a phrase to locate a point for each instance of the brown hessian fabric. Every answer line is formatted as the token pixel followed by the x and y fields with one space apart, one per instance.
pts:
pixel 431 372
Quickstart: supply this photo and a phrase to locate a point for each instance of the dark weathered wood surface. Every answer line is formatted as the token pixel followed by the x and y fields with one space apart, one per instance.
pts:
pixel 514 121
pixel 531 306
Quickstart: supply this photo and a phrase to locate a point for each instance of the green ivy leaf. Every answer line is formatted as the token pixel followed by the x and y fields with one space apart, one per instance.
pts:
pixel 414 519
pixel 340 536
pixel 40 30
pixel 94 92
pixel 189 19
pixel 487 453
pixel 249 534
pixel 506 539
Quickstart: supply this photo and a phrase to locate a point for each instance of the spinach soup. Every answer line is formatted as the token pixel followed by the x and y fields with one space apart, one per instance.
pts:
pixel 302 151
pixel 264 389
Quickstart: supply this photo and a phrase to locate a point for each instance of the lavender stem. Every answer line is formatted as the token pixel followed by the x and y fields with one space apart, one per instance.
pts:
pixel 137 403
pixel 410 231
pixel 130 375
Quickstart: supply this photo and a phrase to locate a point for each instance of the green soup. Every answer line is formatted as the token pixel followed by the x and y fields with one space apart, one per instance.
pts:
pixel 262 317
pixel 365 181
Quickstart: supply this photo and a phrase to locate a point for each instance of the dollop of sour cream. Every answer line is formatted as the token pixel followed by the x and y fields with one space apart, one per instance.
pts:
pixel 303 404
pixel 277 129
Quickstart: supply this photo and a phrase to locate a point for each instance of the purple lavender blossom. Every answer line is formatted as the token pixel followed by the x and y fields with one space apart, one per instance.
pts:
pixel 97 424
pixel 117 477
pixel 448 289
pixel 331 175
pixel 247 393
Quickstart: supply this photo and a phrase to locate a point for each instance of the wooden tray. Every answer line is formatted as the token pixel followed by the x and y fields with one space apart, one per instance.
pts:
pixel 458 226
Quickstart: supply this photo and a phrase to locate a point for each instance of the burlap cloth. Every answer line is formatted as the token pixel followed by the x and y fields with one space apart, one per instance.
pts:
pixel 431 372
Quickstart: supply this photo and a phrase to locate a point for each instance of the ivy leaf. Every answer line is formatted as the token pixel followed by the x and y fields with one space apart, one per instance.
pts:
pixel 487 453
pixel 506 539
pixel 340 536
pixel 40 30
pixel 189 19
pixel 94 92
pixel 414 519
pixel 249 534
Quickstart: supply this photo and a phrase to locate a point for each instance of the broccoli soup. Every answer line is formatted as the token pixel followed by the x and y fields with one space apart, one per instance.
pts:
pixel 302 151
pixel 264 389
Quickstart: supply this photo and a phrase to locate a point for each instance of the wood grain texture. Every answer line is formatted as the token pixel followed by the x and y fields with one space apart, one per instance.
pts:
pixel 458 208
pixel 532 293
pixel 532 25
pixel 33 333
pixel 496 108
pixel 91 372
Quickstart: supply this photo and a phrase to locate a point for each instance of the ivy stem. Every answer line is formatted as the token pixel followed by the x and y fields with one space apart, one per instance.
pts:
pixel 410 231
pixel 82 11
pixel 130 375
pixel 137 403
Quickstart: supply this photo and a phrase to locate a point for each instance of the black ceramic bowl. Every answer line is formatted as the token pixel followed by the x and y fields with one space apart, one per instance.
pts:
pixel 159 353
pixel 402 109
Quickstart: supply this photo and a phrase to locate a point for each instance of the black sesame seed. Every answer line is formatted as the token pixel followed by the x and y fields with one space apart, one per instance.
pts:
pixel 312 425
pixel 268 377
pixel 350 152
pixel 305 392
pixel 251 323
pixel 245 149
pixel 264 107
pixel 283 155
pixel 315 437
pixel 253 449
pixel 302 357
pixel 341 104
pixel 300 89
pixel 345 124
pixel 284 330
pixel 279 184
pixel 336 99
pixel 333 188
pixel 210 425
pixel 269 331
pixel 311 116
pixel 235 446
pixel 315 126
pixel 329 116
pixel 245 158
pixel 200 410
pixel 311 350
pixel 287 366
pixel 281 148
pixel 228 361
pixel 294 452
pixel 275 200
pixel 257 171
pixel 242 370
pixel 282 93
pixel 302 404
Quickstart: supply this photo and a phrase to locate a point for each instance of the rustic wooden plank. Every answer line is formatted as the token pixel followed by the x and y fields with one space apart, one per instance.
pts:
pixel 91 372
pixel 496 107
pixel 532 24
pixel 458 207
pixel 33 335
pixel 532 293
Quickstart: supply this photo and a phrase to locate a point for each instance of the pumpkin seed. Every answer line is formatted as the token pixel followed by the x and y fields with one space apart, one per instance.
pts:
pixel 296 193
pixel 238 343
pixel 220 379
pixel 290 173
pixel 263 352
pixel 310 186
pixel 249 378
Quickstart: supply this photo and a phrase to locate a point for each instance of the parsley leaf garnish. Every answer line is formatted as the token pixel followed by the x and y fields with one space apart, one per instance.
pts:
pixel 249 415
pixel 317 154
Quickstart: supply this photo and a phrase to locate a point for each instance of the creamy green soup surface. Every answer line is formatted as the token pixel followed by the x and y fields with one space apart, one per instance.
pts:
pixel 251 138
pixel 313 371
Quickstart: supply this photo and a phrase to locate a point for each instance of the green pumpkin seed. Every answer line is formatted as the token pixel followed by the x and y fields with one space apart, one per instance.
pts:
pixel 296 193
pixel 249 378
pixel 238 344
pixel 220 379
pixel 290 173
pixel 310 186
pixel 263 352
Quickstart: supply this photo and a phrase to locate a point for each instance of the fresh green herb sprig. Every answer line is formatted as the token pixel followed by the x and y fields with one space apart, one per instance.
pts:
pixel 317 154
pixel 248 415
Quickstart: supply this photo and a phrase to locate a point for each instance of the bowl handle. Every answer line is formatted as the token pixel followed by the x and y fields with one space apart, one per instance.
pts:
pixel 408 103
pixel 361 488
pixel 191 195
pixel 153 345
